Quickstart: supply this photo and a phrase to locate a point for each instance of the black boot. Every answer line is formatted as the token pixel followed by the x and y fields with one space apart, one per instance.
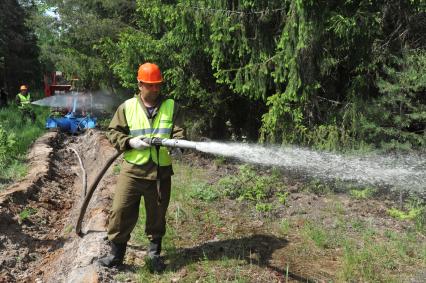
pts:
pixel 116 257
pixel 155 262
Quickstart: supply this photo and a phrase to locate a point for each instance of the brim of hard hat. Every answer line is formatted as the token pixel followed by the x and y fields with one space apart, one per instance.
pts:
pixel 151 82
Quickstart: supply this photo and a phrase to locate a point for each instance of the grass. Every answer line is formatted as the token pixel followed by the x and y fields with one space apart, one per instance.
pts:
pixel 204 191
pixel 362 193
pixel 415 211
pixel 16 135
pixel 381 260
pixel 317 187
pixel 26 213
pixel 320 236
pixel 209 238
pixel 411 214
pixel 190 219
pixel 285 226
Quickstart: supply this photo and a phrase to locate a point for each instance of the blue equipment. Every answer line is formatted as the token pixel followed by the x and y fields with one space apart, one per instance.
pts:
pixel 71 122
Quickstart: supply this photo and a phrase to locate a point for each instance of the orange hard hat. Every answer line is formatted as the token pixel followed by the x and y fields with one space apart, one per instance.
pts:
pixel 149 73
pixel 23 87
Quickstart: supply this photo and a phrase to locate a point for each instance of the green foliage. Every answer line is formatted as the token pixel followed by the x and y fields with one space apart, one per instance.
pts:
pixel 420 221
pixel 362 194
pixel 282 197
pixel 18 47
pixel 219 160
pixel 26 213
pixel 285 226
pixel 416 211
pixel 68 229
pixel 402 215
pixel 373 261
pixel 328 137
pixel 70 42
pixel 264 207
pixel 103 123
pixel 336 76
pixel 7 146
pixel 204 191
pixel 16 136
pixel 13 170
pixel 318 235
pixel 249 185
pixel 397 118
pixel 363 263
pixel 318 187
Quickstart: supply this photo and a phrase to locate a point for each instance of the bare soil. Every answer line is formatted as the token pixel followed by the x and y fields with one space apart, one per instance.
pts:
pixel 38 214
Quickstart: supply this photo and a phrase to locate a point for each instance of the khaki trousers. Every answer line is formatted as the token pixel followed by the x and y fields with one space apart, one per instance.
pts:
pixel 125 208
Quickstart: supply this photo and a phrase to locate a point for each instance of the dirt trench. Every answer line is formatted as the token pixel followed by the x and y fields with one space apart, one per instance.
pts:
pixel 38 214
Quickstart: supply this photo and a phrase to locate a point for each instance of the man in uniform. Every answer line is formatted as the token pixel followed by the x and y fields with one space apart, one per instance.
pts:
pixel 23 99
pixel 146 170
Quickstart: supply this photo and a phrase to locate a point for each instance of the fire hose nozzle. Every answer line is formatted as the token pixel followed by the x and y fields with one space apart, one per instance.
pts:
pixel 171 143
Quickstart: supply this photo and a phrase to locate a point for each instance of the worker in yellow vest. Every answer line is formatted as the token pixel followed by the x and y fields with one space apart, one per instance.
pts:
pixel 146 170
pixel 23 99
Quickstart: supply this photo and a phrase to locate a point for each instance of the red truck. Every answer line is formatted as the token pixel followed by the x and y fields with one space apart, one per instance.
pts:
pixel 55 81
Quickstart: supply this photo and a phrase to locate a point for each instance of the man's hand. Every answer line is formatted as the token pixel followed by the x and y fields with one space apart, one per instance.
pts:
pixel 138 143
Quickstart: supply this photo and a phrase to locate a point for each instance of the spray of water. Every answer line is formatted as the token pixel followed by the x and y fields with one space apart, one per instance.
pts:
pixel 80 101
pixel 406 172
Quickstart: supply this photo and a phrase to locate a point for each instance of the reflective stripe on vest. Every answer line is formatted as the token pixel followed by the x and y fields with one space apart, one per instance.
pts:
pixel 25 100
pixel 140 125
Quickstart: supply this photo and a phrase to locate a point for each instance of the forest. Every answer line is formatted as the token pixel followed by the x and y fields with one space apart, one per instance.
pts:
pixel 334 75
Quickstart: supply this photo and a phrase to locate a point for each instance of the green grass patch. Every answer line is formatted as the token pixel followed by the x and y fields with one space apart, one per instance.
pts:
pixel 26 213
pixel 380 260
pixel 411 214
pixel 318 187
pixel 322 237
pixel 335 207
pixel 362 193
pixel 285 226
pixel 219 160
pixel 204 191
pixel 415 211
pixel 16 135
pixel 249 185
pixel 103 123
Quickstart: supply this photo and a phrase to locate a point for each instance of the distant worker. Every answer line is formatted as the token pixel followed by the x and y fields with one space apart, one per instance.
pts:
pixel 146 171
pixel 3 98
pixel 23 99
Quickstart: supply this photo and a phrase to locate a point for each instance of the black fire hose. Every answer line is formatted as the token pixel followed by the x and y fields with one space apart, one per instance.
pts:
pixel 91 190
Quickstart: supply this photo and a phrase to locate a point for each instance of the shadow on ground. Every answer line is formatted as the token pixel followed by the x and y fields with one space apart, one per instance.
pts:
pixel 255 249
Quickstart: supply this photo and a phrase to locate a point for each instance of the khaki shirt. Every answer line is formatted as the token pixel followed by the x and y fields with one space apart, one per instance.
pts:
pixel 119 136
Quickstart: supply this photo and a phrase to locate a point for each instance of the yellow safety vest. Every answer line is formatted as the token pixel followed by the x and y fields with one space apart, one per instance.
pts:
pixel 25 100
pixel 140 125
